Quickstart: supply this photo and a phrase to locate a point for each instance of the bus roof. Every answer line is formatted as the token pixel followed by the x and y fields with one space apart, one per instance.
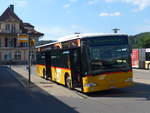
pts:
pixel 79 36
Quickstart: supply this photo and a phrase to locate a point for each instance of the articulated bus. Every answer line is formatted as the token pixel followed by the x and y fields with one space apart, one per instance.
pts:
pixel 87 62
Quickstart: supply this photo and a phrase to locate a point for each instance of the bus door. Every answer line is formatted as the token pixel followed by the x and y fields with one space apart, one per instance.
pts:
pixel 48 64
pixel 75 61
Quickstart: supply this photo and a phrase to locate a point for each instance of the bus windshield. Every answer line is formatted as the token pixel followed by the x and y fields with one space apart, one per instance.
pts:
pixel 107 57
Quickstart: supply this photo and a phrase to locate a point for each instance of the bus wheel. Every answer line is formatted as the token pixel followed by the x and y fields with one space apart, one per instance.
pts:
pixel 44 74
pixel 68 82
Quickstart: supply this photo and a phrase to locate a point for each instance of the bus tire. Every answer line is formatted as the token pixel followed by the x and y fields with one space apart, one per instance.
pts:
pixel 44 74
pixel 68 82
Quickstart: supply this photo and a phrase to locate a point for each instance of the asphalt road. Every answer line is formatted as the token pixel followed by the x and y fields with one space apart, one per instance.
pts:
pixel 135 99
pixel 16 99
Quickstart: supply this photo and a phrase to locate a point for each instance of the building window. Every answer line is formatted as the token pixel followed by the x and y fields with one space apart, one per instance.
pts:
pixel 23 44
pixel 17 55
pixel 11 42
pixel 7 56
pixel 7 27
pixel 6 42
pixel 13 28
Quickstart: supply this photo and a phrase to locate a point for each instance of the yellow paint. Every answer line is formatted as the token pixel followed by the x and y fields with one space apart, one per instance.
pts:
pixel 39 70
pixel 107 81
pixel 103 82
pixel 23 37
pixel 146 64
pixel 58 74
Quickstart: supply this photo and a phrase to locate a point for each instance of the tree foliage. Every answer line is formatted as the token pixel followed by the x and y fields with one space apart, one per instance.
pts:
pixel 42 42
pixel 141 40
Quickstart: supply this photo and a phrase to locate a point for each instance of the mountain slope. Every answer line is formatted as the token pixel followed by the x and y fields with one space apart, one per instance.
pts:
pixel 141 40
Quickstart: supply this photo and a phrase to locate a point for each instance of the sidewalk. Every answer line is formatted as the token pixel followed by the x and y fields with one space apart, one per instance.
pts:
pixel 51 88
pixel 141 75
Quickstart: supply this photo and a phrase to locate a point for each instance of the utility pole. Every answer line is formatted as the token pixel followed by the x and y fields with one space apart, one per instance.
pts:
pixel 29 59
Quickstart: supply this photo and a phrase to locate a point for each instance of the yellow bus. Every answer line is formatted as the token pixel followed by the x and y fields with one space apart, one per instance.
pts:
pixel 147 58
pixel 87 62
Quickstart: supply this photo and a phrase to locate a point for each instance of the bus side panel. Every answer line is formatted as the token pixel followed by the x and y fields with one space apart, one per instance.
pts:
pixel 39 69
pixel 64 71
pixel 53 72
pixel 107 81
pixel 58 74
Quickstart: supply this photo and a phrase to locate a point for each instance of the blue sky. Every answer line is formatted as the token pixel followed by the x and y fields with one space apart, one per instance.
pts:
pixel 56 18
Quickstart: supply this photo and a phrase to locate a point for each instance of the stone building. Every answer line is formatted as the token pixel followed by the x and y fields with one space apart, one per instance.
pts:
pixel 14 38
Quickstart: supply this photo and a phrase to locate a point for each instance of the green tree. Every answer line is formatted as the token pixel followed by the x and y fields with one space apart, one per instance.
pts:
pixel 141 40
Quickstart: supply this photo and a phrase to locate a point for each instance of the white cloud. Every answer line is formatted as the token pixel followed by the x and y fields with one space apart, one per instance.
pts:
pixel 55 32
pixel 110 14
pixel 141 4
pixel 66 5
pixel 20 3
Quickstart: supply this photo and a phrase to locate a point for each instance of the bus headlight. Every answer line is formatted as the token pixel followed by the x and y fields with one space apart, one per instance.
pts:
pixel 90 85
pixel 129 80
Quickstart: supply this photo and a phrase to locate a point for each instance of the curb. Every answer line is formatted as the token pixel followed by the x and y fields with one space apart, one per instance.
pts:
pixel 22 81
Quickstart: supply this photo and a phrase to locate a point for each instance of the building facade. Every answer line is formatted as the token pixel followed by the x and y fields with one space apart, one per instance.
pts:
pixel 14 38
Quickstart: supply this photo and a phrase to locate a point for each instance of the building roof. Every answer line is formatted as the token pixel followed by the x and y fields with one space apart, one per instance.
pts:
pixel 28 25
pixel 33 32
pixel 9 15
pixel 26 28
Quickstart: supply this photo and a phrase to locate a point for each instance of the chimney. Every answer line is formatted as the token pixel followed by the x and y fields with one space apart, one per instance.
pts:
pixel 12 7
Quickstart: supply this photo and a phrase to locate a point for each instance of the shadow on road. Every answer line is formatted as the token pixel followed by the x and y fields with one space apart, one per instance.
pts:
pixel 17 99
pixel 139 90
